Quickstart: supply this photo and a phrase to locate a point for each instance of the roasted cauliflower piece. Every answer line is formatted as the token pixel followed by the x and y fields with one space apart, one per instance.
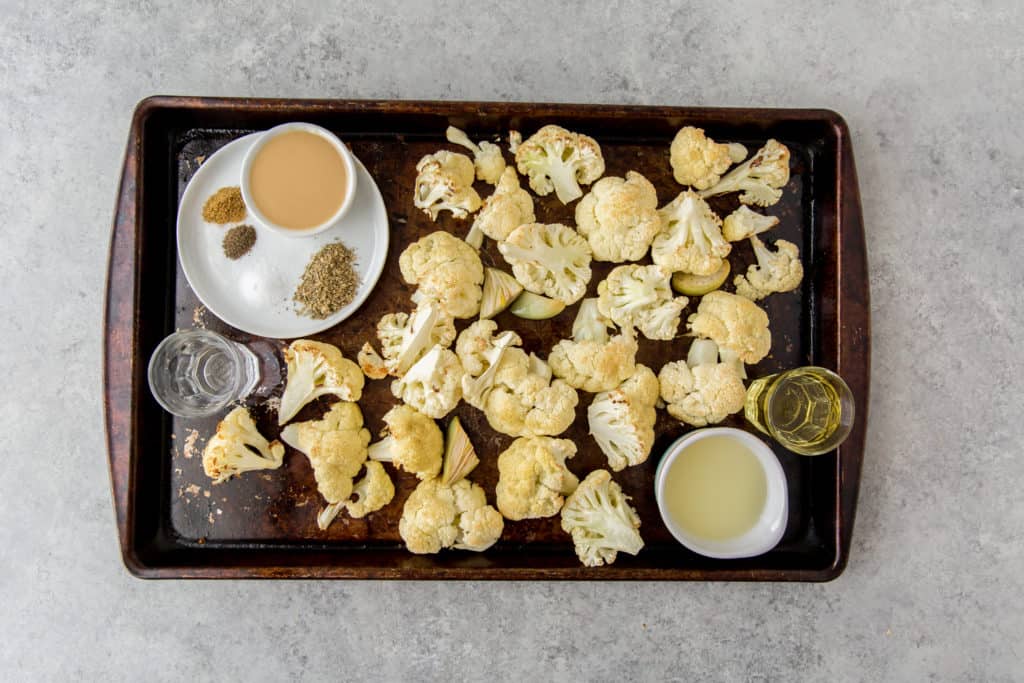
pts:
pixel 691 239
pixel 760 178
pixel 601 521
pixel 238 447
pixel 552 260
pixel 437 516
pixel 446 271
pixel 433 385
pixel 371 493
pixel 317 369
pixel 698 160
pixel 413 442
pixel 619 217
pixel 444 182
pixel 744 223
pixel 524 401
pixel 641 297
pixel 556 159
pixel 533 479
pixel 622 420
pixel 405 338
pixel 735 323
pixel 487 158
pixel 593 360
pixel 701 390
pixel 505 210
pixel 778 271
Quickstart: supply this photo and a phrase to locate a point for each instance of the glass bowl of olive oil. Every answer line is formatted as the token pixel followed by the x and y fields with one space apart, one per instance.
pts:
pixel 722 493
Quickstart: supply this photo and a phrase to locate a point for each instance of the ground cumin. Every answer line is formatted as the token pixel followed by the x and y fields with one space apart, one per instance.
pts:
pixel 238 241
pixel 224 206
pixel 329 281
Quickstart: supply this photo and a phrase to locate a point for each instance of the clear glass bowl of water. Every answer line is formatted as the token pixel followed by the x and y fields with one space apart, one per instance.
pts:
pixel 198 373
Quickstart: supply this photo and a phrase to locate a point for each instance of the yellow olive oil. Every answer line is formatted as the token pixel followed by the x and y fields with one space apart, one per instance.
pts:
pixel 807 410
pixel 715 489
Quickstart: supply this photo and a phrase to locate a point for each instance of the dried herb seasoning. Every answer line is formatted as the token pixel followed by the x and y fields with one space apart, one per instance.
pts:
pixel 329 282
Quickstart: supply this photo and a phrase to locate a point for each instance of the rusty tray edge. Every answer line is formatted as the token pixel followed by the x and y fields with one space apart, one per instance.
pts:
pixel 120 392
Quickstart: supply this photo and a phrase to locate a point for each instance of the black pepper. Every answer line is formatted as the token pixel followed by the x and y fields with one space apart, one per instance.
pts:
pixel 238 241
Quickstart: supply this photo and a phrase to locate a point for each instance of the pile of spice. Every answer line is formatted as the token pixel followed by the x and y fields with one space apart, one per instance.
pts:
pixel 238 241
pixel 329 282
pixel 224 206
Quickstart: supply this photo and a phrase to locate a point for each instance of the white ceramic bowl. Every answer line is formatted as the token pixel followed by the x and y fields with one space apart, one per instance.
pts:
pixel 346 159
pixel 770 526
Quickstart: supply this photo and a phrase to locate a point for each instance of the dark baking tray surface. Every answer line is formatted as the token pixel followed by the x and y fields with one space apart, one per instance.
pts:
pixel 173 524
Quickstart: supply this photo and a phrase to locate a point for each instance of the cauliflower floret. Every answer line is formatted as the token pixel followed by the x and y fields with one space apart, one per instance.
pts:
pixel 641 297
pixel 371 493
pixel 316 369
pixel 532 478
pixel 760 178
pixel 622 421
pixel 734 323
pixel 778 271
pixel 552 260
pixel 437 516
pixel 593 360
pixel 601 521
pixel 523 400
pixel 557 159
pixel 691 239
pixel 371 363
pixel 486 156
pixel 433 385
pixel 238 447
pixel 336 448
pixel 619 218
pixel 509 207
pixel 701 391
pixel 698 160
pixel 405 338
pixel 413 442
pixel 447 271
pixel 743 223
pixel 480 351
pixel 444 182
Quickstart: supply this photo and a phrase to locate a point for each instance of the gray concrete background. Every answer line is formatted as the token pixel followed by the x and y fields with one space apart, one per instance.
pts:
pixel 932 92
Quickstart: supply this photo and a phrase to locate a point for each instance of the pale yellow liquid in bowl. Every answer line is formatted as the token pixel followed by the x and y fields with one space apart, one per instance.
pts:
pixel 298 180
pixel 715 489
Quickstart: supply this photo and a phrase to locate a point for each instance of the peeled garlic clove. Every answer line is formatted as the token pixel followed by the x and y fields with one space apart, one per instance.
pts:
pixel 699 285
pixel 500 290
pixel 536 307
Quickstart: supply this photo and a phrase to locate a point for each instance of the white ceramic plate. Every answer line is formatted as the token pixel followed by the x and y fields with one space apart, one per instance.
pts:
pixel 254 293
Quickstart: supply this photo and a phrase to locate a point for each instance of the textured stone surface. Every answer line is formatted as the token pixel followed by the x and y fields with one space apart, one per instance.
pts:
pixel 932 93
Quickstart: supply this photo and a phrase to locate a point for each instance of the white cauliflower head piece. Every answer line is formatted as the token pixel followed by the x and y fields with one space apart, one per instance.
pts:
pixel 446 271
pixel 487 158
pixel 525 401
pixel 601 521
pixel 533 479
pixel 698 160
pixel 336 447
pixel 556 159
pixel 743 223
pixel 413 442
pixel 444 182
pixel 775 271
pixel 238 447
pixel 404 338
pixel 552 260
pixel 703 395
pixel 760 178
pixel 433 385
pixel 619 217
pixel 593 360
pixel 438 516
pixel 480 350
pixel 734 323
pixel 622 420
pixel 691 239
pixel 506 209
pixel 642 297
pixel 317 369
